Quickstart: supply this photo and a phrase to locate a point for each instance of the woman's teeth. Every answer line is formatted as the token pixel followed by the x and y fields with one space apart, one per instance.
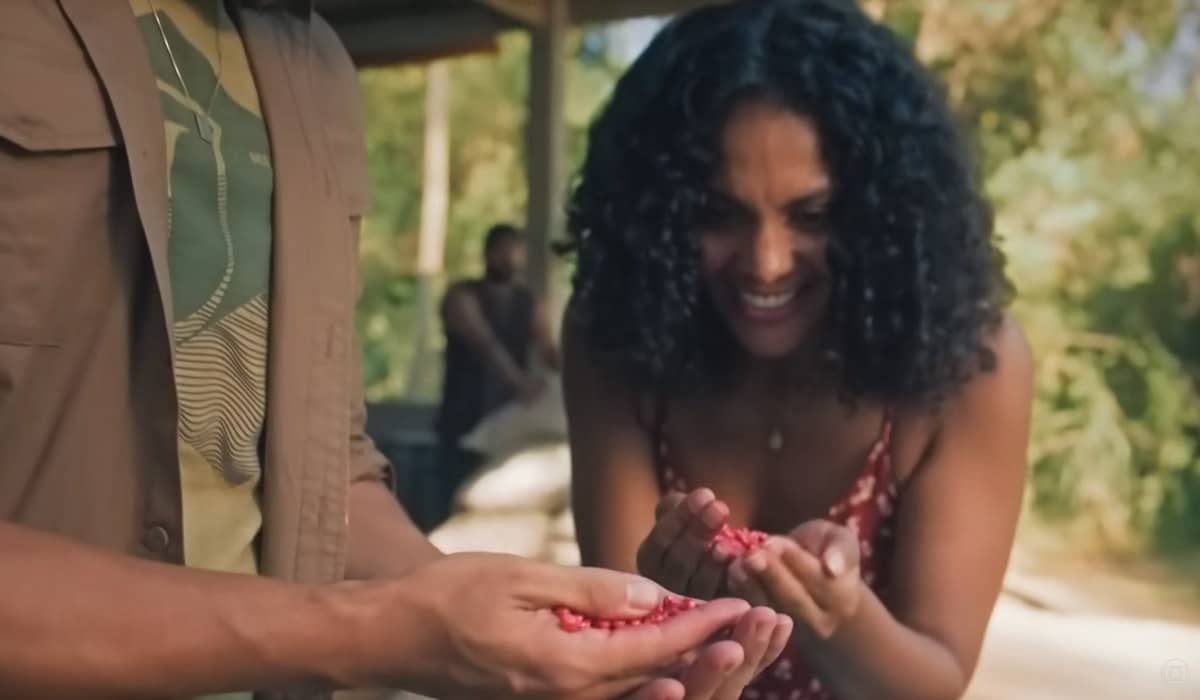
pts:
pixel 767 301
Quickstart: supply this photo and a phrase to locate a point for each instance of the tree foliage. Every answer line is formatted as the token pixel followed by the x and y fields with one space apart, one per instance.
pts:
pixel 1088 124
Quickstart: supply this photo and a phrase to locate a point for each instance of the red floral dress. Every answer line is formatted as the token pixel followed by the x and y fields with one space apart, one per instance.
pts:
pixel 868 509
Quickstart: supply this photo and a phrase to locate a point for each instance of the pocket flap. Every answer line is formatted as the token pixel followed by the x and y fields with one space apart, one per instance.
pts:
pixel 53 101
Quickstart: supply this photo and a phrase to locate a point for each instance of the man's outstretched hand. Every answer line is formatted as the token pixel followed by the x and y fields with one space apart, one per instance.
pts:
pixel 482 625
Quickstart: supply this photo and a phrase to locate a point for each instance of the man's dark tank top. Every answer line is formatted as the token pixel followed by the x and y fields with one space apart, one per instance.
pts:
pixel 471 388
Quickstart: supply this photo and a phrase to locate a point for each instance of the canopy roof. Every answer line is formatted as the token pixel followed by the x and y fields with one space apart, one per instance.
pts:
pixel 394 31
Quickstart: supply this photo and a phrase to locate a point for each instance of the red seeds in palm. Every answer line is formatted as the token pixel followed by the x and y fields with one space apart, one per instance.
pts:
pixel 668 607
pixel 570 621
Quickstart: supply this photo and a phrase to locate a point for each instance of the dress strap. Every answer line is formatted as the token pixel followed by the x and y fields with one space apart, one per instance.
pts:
pixel 879 461
pixel 651 414
pixel 658 428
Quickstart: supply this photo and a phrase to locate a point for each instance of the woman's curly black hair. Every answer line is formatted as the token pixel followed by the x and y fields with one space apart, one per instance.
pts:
pixel 917 279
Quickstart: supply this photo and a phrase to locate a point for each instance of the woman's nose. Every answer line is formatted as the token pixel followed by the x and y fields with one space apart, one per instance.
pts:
pixel 772 253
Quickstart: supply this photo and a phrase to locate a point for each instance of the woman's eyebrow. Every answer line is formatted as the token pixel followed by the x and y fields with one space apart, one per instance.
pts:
pixel 816 199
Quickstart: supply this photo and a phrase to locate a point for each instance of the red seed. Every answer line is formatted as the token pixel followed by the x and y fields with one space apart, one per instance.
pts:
pixel 668 607
pixel 740 541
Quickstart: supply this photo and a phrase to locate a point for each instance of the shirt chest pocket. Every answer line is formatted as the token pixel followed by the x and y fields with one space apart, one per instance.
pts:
pixel 58 153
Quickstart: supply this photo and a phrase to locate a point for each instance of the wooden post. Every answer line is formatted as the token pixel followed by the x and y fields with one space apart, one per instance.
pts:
pixel 435 209
pixel 546 148
pixel 435 176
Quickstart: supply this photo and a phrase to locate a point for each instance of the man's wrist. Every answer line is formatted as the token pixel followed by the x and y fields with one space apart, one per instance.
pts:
pixel 516 379
pixel 342 617
pixel 377 634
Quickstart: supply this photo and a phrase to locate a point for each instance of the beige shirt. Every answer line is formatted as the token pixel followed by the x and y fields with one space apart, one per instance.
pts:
pixel 219 251
pixel 88 417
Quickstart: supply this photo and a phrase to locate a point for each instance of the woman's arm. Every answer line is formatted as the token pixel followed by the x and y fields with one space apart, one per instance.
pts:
pixel 613 486
pixel 955 530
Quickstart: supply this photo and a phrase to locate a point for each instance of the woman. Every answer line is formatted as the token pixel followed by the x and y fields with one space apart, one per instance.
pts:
pixel 788 316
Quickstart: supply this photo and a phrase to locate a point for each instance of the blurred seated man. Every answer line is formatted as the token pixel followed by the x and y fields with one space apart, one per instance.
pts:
pixel 498 340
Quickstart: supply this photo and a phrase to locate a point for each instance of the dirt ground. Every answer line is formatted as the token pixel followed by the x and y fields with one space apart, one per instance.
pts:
pixel 1072 625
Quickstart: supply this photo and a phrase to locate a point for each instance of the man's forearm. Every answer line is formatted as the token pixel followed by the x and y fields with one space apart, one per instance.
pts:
pixel 502 363
pixel 876 656
pixel 77 622
pixel 551 357
pixel 383 541
pixel 462 315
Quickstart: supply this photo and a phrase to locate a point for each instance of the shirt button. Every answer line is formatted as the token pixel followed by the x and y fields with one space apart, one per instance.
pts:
pixel 157 539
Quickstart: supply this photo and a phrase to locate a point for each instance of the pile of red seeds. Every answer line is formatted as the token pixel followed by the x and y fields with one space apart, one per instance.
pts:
pixel 739 541
pixel 668 607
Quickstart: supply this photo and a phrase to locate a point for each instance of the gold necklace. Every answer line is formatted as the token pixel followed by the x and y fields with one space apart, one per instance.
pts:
pixel 775 439
pixel 777 414
pixel 203 119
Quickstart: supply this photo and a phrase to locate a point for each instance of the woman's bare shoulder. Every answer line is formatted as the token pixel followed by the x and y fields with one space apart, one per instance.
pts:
pixel 1007 378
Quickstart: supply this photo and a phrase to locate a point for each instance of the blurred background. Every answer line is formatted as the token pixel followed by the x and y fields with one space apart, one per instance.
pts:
pixel 1086 116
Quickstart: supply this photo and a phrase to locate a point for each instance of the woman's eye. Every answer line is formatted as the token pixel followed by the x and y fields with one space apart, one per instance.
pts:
pixel 810 220
pixel 717 218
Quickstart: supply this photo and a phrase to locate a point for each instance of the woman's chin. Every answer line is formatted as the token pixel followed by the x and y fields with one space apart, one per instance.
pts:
pixel 770 344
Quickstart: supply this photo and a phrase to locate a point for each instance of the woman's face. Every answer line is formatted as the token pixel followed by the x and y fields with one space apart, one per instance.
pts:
pixel 764 234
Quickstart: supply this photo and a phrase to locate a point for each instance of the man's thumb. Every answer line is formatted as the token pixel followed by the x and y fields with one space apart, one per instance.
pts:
pixel 607 594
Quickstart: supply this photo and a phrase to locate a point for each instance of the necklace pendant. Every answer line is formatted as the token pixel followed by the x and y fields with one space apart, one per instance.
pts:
pixel 203 128
pixel 775 440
